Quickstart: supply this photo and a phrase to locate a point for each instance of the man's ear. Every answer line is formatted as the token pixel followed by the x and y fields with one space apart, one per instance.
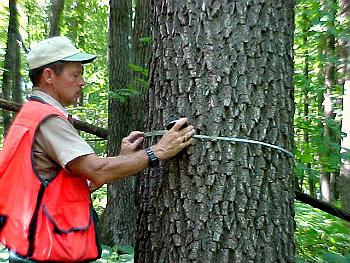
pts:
pixel 48 75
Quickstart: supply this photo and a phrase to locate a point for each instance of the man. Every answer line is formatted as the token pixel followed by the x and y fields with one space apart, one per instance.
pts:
pixel 45 207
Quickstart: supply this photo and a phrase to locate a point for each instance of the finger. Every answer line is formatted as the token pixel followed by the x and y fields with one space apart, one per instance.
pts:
pixel 189 131
pixel 179 124
pixel 134 135
pixel 187 143
pixel 137 143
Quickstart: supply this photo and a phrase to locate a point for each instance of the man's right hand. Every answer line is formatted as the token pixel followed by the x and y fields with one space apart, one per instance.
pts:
pixel 174 140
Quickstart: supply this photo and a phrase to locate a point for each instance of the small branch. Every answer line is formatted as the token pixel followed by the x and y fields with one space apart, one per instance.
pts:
pixel 92 129
pixel 8 105
pixel 79 125
pixel 304 198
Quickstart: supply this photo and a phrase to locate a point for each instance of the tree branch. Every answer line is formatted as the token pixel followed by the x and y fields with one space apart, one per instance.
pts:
pixel 79 125
pixel 325 207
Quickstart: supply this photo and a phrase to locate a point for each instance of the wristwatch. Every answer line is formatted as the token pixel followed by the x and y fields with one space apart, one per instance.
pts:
pixel 153 159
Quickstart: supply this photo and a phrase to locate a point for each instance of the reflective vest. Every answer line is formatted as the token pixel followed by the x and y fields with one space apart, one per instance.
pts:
pixel 42 220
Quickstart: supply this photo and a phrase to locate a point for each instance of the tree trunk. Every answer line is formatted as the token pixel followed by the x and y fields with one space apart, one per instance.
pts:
pixel 344 180
pixel 306 135
pixel 119 219
pixel 228 66
pixel 57 9
pixel 344 177
pixel 327 176
pixel 11 76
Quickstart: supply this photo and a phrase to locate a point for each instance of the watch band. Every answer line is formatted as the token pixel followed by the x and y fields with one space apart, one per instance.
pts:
pixel 153 159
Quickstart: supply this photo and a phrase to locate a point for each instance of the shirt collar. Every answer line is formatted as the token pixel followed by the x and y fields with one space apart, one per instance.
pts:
pixel 50 100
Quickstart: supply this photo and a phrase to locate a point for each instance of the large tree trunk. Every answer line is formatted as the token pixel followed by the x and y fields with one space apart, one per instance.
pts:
pixel 57 9
pixel 228 66
pixel 344 178
pixel 119 219
pixel 11 77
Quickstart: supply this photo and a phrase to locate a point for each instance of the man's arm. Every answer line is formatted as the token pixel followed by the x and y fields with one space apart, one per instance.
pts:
pixel 104 170
pixel 131 160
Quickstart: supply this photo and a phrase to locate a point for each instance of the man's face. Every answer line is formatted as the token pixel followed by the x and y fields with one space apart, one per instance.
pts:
pixel 68 84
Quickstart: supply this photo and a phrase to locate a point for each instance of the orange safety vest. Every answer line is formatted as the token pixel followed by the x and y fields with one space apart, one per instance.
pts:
pixel 42 220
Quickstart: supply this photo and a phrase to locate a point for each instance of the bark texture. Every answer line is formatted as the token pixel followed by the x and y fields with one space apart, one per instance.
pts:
pixel 120 227
pixel 228 66
pixel 56 9
pixel 327 179
pixel 118 224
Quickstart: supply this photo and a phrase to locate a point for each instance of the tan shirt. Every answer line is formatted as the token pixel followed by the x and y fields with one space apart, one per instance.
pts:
pixel 56 142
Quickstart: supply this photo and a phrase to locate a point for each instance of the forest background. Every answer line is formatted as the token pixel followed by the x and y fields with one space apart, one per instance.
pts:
pixel 322 100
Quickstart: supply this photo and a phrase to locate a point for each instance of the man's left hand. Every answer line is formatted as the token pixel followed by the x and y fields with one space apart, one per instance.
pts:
pixel 132 143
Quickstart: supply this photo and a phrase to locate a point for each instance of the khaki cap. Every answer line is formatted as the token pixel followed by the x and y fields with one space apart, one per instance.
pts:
pixel 56 49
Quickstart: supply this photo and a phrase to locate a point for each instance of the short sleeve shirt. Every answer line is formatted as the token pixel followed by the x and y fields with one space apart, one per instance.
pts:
pixel 56 142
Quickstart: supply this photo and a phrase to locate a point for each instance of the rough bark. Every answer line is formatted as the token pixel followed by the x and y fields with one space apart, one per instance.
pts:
pixel 56 9
pixel 228 66
pixel 119 219
pixel 138 105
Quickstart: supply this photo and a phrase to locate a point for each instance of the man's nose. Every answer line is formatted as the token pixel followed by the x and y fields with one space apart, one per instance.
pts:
pixel 82 82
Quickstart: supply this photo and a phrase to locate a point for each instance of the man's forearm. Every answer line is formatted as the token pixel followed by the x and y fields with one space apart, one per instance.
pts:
pixel 121 166
pixel 104 170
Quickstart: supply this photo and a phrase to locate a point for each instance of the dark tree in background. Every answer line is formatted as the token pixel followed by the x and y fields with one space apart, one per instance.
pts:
pixel 344 179
pixel 228 66
pixel 120 212
pixel 327 106
pixel 127 113
pixel 11 79
pixel 57 7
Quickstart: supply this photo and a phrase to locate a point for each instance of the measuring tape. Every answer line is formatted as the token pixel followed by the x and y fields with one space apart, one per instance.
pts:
pixel 229 139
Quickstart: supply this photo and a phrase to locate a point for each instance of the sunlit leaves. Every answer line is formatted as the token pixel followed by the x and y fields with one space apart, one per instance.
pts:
pixel 313 23
pixel 320 237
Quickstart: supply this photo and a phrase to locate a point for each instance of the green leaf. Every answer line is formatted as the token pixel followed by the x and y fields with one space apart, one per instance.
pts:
pixel 138 69
pixel 145 40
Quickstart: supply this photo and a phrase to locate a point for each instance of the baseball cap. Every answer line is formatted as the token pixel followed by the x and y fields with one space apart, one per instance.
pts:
pixel 56 49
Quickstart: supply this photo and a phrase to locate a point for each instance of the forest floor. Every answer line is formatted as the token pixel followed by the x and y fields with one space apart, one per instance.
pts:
pixel 319 237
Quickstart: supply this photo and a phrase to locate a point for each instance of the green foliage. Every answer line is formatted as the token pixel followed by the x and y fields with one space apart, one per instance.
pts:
pixel 3 254
pixel 145 40
pixel 320 237
pixel 317 136
pixel 138 69
pixel 99 199
pixel 118 254
pixel 122 95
